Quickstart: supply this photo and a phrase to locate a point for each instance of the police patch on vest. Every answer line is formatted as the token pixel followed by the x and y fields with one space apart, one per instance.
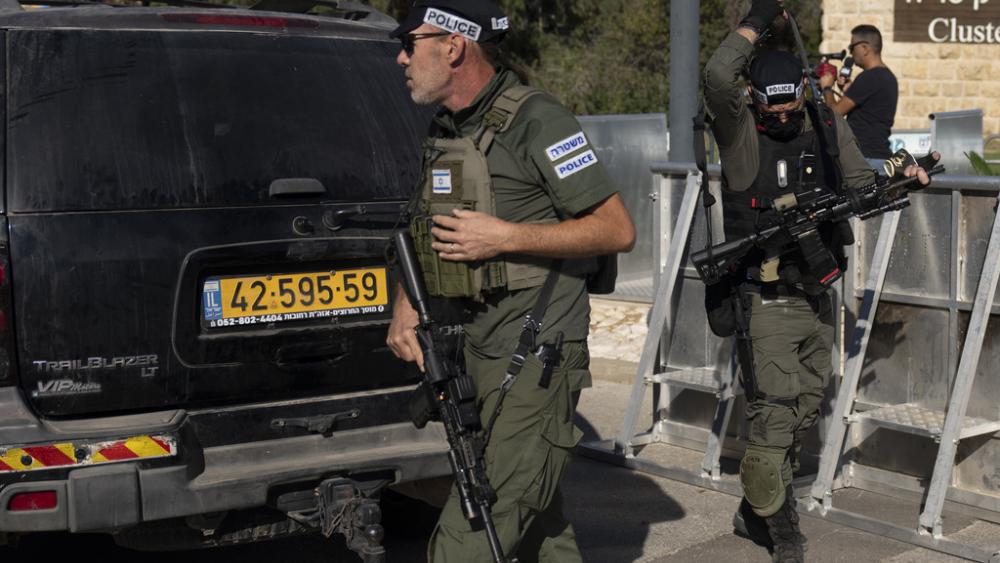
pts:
pixel 566 146
pixel 575 165
pixel 441 181
pixel 452 23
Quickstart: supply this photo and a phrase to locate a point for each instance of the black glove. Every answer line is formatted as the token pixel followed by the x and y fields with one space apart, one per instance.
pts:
pixel 928 161
pixel 761 14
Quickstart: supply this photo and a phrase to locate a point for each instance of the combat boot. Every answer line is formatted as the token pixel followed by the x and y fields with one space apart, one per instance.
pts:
pixel 783 527
pixel 748 524
pixel 793 517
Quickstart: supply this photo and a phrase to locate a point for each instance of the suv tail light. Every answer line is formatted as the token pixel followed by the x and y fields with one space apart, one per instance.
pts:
pixel 37 500
pixel 8 350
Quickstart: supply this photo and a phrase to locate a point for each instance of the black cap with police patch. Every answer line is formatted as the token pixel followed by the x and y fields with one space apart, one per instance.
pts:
pixel 479 20
pixel 776 78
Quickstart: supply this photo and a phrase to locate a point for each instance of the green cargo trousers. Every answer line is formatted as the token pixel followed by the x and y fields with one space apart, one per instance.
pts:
pixel 792 342
pixel 525 458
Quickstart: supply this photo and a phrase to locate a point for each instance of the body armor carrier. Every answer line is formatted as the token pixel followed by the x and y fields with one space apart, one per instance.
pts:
pixel 456 175
pixel 785 167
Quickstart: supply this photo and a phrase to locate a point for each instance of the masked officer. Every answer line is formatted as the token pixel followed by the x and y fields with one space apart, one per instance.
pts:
pixel 513 209
pixel 771 141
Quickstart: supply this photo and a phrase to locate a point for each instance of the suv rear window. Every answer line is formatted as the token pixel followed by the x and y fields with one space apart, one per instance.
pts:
pixel 103 120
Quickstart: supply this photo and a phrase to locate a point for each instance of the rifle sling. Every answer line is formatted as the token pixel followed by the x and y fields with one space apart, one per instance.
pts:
pixel 525 343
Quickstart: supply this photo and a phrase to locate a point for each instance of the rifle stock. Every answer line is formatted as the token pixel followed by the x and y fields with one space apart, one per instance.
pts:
pixel 455 398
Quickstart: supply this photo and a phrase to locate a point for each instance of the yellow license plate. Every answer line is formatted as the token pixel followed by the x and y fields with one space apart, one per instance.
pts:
pixel 246 300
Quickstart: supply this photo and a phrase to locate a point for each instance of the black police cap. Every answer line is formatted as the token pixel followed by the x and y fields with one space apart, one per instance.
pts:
pixel 776 77
pixel 479 20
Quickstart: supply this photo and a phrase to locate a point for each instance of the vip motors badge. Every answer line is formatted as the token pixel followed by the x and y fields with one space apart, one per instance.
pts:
pixel 441 181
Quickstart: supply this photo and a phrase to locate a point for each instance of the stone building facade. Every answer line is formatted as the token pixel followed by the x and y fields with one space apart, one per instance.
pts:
pixel 932 76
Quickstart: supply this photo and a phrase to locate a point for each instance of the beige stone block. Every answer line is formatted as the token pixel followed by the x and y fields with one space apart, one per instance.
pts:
pixel 974 71
pixel 928 50
pixel 949 52
pixel 916 107
pixel 925 88
pixel 971 89
pixel 910 70
pixel 848 7
pixel 959 103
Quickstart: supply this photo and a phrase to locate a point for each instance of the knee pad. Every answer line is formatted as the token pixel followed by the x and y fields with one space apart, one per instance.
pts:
pixel 760 475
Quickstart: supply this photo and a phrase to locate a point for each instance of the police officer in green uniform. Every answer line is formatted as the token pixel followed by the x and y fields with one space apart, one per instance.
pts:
pixel 769 144
pixel 513 194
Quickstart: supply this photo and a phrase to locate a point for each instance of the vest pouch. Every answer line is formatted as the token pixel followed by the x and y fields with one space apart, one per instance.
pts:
pixel 443 278
pixel 720 307
pixel 602 281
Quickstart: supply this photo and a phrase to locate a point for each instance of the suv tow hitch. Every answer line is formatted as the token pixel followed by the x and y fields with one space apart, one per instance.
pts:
pixel 341 506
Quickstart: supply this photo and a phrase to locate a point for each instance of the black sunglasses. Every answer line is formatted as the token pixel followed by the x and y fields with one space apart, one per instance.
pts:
pixel 776 116
pixel 850 48
pixel 410 39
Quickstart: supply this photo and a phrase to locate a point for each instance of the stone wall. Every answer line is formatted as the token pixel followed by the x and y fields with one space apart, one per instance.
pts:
pixel 932 77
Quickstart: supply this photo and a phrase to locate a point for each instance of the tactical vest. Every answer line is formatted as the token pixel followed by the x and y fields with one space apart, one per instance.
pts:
pixel 784 167
pixel 456 175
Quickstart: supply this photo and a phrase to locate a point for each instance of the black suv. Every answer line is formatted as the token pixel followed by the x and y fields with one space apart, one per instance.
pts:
pixel 194 299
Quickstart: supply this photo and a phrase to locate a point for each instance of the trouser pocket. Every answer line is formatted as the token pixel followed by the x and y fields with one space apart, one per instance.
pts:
pixel 551 454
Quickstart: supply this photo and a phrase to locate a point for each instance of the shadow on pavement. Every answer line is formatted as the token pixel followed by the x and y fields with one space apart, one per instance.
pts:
pixel 612 508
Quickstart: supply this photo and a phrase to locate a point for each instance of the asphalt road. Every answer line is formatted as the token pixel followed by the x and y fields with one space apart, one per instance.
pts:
pixel 619 516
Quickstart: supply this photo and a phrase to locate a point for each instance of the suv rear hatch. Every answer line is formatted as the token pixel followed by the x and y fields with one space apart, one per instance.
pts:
pixel 199 219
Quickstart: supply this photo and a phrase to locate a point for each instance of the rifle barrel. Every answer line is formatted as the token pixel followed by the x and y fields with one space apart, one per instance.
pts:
pixel 413 281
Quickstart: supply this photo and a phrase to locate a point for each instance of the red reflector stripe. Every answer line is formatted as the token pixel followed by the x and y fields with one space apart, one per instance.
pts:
pixel 49 456
pixel 41 500
pixel 118 452
pixel 162 444
pixel 252 21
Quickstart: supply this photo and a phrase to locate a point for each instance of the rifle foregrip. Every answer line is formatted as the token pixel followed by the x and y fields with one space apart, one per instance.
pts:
pixel 413 280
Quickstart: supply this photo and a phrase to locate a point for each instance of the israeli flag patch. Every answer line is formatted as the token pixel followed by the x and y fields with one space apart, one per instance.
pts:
pixel 575 165
pixel 566 146
pixel 441 181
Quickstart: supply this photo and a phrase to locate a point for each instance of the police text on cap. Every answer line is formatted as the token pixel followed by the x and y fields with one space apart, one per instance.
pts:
pixel 452 23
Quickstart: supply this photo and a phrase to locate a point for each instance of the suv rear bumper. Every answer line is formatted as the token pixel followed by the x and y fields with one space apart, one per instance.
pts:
pixel 215 479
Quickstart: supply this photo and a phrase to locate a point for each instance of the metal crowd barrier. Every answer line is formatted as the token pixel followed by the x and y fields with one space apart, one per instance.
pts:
pixel 917 413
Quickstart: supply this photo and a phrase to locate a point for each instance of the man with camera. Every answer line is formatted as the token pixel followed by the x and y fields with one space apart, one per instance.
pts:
pixel 869 102
pixel 512 212
pixel 776 144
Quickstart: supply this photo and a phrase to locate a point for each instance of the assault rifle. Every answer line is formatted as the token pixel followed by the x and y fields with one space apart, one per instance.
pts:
pixel 796 226
pixel 454 395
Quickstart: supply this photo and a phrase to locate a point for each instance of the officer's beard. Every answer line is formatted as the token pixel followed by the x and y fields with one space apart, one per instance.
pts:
pixel 429 80
pixel 772 126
